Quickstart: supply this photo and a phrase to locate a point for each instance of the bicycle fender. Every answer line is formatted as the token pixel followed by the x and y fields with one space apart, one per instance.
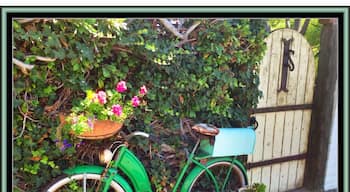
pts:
pixel 196 170
pixel 93 169
pixel 134 170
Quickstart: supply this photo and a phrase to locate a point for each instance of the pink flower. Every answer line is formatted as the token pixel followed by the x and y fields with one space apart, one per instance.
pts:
pixel 121 87
pixel 102 97
pixel 117 110
pixel 143 90
pixel 135 101
pixel 89 121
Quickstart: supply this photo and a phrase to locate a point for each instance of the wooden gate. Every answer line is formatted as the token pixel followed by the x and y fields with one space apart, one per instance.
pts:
pixel 287 78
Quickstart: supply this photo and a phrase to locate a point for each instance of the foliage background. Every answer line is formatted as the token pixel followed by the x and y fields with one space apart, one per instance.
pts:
pixel 212 78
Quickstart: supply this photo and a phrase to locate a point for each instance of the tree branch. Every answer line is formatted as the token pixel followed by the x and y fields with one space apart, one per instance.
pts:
pixel 296 24
pixel 193 27
pixel 184 41
pixel 305 26
pixel 171 28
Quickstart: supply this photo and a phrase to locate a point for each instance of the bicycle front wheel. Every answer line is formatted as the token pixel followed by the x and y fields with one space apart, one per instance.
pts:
pixel 228 176
pixel 80 182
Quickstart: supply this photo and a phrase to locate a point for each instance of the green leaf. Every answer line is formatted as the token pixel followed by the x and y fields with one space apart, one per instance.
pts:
pixel 48 90
pixel 24 107
pixel 100 83
pixel 76 66
pixel 44 159
pixel 106 73
pixel 151 47
pixel 60 54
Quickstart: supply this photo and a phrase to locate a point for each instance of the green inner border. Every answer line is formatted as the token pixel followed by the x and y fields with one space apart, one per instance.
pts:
pixel 346 100
pixel 8 10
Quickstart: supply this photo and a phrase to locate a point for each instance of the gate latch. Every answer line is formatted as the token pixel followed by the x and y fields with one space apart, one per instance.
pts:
pixel 287 63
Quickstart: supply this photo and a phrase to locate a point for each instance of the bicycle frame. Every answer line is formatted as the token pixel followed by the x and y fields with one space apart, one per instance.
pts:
pixel 131 166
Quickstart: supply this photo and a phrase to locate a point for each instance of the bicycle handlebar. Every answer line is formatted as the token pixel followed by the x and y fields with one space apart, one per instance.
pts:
pixel 151 137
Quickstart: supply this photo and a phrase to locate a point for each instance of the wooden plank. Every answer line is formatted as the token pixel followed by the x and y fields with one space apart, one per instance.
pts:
pixel 268 142
pixel 304 133
pixel 278 135
pixel 249 174
pixel 286 149
pixel 258 151
pixel 292 81
pixel 264 73
pixel 292 174
pixel 300 174
pixel 275 177
pixel 295 143
pixel 266 176
pixel 275 62
pixel 249 171
pixel 256 175
pixel 310 78
pixel 276 57
pixel 303 62
pixel 288 132
pixel 283 182
pixel 268 137
pixel 259 143
pixel 277 150
pixel 305 129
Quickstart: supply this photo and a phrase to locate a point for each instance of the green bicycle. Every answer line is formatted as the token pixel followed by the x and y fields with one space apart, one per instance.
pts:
pixel 211 166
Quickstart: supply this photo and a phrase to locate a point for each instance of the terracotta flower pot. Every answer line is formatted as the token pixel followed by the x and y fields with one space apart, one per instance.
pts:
pixel 101 129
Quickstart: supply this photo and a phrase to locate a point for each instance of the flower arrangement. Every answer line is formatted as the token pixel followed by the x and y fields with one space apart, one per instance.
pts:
pixel 110 105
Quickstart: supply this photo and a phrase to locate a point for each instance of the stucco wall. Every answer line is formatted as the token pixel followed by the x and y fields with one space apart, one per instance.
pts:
pixel 331 178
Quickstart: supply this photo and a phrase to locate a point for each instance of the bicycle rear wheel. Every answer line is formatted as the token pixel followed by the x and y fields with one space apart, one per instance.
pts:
pixel 226 180
pixel 79 182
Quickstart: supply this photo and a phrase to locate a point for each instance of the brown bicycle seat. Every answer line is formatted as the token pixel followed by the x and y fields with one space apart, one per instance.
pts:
pixel 206 129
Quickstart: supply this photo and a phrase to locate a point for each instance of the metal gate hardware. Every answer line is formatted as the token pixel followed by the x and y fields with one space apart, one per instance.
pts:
pixel 287 64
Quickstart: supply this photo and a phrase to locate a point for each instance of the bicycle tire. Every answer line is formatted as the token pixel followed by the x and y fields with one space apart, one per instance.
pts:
pixel 66 183
pixel 203 182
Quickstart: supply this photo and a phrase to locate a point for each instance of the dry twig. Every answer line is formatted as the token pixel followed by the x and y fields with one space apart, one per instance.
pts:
pixel 25 116
pixel 41 58
pixel 21 64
